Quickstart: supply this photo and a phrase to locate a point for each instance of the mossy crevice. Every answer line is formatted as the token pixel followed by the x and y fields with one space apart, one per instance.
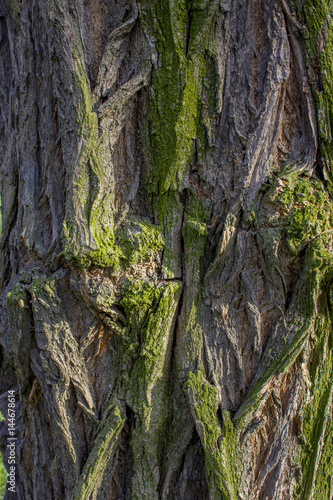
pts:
pixel 195 232
pixel 179 110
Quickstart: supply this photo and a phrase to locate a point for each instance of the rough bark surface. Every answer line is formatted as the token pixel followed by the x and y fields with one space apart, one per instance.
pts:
pixel 166 247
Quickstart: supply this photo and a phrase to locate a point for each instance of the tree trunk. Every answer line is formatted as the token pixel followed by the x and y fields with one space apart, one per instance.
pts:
pixel 166 248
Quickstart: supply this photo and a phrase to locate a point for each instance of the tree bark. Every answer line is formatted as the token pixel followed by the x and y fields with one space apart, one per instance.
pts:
pixel 166 248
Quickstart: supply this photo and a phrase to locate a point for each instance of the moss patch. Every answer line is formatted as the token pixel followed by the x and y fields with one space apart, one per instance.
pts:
pixel 318 40
pixel 167 108
pixel 104 447
pixel 306 215
pixel 222 457
pixel 183 32
pixel 181 107
pixel 195 230
pixel 141 298
pixel 140 241
pixel 88 232
pixel 150 312
pixel 308 209
pixel 316 456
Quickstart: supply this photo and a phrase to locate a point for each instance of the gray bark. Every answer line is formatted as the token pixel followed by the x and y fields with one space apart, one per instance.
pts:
pixel 166 248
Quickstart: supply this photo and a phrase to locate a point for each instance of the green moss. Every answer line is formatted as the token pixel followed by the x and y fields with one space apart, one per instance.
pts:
pixel 186 126
pixel 92 240
pixel 88 234
pixel 323 489
pixel 99 457
pixel 205 400
pixel 308 208
pixel 154 335
pixel 193 340
pixel 307 220
pixel 17 295
pixel 195 227
pixel 316 457
pixel 141 241
pixel 175 121
pixel 138 242
pixel 103 257
pixel 175 107
pixel 318 40
pixel 282 190
pixel 230 449
pixel 222 456
pixel 150 312
pixel 194 236
pixel 108 254
pixel 169 212
pixel 180 108
pixel 168 26
pixel 41 284
pixel 141 298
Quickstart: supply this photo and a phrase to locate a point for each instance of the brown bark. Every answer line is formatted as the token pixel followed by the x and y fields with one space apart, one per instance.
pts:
pixel 166 248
